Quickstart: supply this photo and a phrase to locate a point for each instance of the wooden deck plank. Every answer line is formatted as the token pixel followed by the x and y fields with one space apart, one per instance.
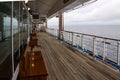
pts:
pixel 65 64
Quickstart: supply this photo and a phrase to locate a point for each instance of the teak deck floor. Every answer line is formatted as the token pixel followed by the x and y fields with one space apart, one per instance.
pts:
pixel 64 63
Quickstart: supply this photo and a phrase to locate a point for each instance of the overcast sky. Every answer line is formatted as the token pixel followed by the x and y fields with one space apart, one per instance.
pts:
pixel 101 11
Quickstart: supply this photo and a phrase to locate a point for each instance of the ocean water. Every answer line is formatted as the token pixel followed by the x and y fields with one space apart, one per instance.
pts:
pixel 110 31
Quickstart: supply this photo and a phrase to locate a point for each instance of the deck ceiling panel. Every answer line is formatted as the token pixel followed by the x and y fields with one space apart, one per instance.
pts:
pixel 41 6
pixel 51 7
pixel 62 7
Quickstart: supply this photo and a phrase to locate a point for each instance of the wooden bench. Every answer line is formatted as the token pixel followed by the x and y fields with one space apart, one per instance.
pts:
pixel 35 68
pixel 33 34
pixel 33 41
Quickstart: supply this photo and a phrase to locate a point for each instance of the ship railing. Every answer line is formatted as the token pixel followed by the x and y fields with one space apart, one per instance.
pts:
pixel 104 49
pixel 53 32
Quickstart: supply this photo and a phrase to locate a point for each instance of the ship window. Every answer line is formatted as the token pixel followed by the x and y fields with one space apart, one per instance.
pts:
pixel 15 33
pixel 5 41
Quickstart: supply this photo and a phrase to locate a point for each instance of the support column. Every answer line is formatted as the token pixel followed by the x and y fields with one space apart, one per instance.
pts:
pixel 61 24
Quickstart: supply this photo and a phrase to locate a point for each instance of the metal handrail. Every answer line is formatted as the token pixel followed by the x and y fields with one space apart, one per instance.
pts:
pixel 107 48
pixel 93 35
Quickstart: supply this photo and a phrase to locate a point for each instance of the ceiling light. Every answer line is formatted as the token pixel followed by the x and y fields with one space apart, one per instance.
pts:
pixel 33 58
pixel 26 1
pixel 33 64
pixel 33 54
pixel 28 9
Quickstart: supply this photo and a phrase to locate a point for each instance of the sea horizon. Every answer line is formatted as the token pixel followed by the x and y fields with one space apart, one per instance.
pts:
pixel 103 30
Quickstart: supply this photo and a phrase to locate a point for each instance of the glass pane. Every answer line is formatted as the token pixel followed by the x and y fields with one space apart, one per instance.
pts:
pixel 23 37
pixel 15 32
pixel 21 31
pixel 5 41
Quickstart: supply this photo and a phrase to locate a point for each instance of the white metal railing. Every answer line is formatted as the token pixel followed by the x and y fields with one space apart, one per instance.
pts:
pixel 102 48
pixel 53 32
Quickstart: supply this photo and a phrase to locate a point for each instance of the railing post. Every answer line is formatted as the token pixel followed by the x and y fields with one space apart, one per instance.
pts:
pixel 79 41
pixel 72 38
pixel 76 40
pixel 94 46
pixel 69 38
pixel 118 52
pixel 57 33
pixel 66 36
pixel 61 37
pixel 82 42
pixel 54 32
pixel 105 50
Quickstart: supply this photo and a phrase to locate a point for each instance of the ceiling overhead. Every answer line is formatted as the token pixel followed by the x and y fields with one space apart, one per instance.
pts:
pixel 41 6
pixel 50 8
